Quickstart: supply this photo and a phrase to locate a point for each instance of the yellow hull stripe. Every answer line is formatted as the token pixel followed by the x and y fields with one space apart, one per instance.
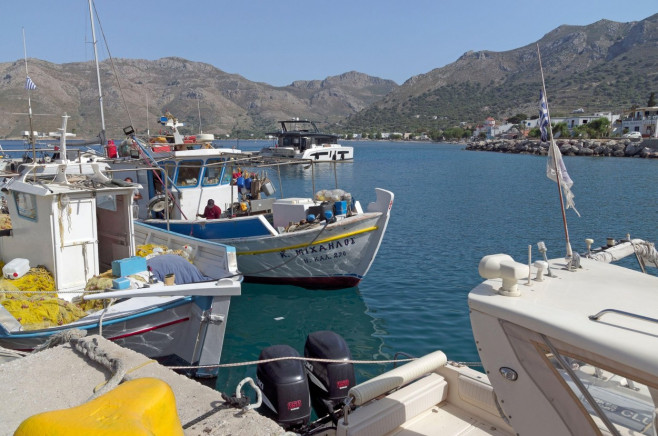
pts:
pixel 320 241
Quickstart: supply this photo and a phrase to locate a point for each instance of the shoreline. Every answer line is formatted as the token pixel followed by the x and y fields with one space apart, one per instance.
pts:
pixel 646 148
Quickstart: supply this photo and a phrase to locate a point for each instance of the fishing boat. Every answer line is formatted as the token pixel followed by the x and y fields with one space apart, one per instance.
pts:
pixel 567 346
pixel 301 139
pixel 171 138
pixel 72 223
pixel 325 241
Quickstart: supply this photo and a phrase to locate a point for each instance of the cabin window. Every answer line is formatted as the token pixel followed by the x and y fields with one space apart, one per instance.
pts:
pixel 627 404
pixel 212 173
pixel 107 201
pixel 189 172
pixel 26 204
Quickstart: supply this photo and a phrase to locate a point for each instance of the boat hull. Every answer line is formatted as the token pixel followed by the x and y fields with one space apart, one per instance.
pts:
pixel 177 330
pixel 327 153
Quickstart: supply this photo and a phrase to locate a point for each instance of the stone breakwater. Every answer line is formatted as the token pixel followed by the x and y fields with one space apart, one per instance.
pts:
pixel 647 148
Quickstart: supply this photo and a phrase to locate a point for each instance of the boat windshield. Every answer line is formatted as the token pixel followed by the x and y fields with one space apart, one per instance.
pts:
pixel 626 404
pixel 188 173
pixel 212 173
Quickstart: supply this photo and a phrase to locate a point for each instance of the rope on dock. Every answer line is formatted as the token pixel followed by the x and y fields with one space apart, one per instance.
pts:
pixel 89 348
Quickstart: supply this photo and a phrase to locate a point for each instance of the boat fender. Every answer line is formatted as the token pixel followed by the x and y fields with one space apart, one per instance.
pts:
pixel 310 217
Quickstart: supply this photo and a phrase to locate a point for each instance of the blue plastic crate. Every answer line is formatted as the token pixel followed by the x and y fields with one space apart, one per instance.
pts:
pixel 121 283
pixel 130 265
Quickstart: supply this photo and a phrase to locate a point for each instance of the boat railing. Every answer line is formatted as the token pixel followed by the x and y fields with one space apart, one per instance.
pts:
pixel 623 313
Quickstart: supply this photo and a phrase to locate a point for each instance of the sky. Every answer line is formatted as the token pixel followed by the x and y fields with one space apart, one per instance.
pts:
pixel 280 41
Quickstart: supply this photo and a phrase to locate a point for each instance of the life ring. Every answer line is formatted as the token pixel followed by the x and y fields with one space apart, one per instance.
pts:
pixel 157 204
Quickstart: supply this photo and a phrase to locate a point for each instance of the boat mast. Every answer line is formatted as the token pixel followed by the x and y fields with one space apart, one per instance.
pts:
pixel 198 107
pixel 148 132
pixel 98 74
pixel 29 103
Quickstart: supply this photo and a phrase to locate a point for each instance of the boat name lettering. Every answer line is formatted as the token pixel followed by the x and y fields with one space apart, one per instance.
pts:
pixel 314 249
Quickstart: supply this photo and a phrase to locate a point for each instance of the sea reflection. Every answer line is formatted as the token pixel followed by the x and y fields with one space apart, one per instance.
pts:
pixel 266 315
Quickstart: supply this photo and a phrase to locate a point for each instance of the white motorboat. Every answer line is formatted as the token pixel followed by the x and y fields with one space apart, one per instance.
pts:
pixel 568 347
pixel 76 223
pixel 301 139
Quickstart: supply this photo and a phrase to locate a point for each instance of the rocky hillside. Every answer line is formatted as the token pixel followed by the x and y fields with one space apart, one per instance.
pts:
pixel 605 66
pixel 228 103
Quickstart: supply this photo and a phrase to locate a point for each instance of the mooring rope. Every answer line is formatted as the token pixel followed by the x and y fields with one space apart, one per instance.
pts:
pixel 89 348
pixel 309 359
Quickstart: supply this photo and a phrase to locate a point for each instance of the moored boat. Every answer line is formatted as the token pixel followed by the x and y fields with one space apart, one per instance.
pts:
pixel 324 241
pixel 301 139
pixel 74 222
pixel 567 347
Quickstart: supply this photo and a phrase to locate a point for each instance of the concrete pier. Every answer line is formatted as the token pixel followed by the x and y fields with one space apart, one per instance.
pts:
pixel 60 378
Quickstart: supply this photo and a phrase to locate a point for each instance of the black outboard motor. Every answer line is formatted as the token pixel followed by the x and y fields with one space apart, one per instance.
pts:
pixel 284 386
pixel 329 382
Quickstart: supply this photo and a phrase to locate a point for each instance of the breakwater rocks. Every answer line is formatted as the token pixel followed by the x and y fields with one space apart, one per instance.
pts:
pixel 647 148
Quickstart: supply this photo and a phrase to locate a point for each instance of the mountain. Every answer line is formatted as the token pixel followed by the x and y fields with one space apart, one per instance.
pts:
pixel 605 66
pixel 228 103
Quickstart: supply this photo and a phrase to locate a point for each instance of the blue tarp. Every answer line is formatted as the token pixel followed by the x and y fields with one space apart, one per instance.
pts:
pixel 174 264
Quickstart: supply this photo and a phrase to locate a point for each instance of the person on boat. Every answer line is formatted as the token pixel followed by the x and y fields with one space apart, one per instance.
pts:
pixel 137 195
pixel 211 211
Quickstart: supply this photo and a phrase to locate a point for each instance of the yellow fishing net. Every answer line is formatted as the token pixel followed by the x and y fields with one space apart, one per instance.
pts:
pixel 42 309
pixel 5 222
pixel 36 310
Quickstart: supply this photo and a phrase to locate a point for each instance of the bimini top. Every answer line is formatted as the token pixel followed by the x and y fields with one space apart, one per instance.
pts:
pixel 296 127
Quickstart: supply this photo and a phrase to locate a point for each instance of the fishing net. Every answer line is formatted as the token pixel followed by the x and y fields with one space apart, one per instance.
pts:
pixel 32 299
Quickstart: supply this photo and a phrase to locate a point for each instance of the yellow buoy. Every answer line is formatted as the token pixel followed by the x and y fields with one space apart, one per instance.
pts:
pixel 145 406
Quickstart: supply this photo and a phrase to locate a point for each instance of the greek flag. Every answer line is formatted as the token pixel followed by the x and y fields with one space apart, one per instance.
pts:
pixel 29 84
pixel 543 116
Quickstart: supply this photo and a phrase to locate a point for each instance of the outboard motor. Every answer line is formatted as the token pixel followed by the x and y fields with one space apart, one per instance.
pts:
pixel 329 382
pixel 284 386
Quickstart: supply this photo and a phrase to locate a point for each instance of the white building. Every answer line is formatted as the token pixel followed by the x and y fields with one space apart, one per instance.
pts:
pixel 643 120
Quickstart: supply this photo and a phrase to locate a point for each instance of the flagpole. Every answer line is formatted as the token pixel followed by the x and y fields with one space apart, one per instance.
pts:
pixel 557 168
pixel 29 103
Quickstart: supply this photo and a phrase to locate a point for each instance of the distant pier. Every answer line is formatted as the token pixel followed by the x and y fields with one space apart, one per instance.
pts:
pixel 645 148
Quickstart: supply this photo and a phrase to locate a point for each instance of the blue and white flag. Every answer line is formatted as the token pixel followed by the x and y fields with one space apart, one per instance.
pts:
pixel 555 168
pixel 543 116
pixel 29 84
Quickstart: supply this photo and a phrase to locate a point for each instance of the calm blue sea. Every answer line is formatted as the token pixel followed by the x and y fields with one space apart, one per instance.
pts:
pixel 452 207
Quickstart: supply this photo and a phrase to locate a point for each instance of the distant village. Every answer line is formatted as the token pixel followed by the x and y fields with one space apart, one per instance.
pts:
pixel 641 122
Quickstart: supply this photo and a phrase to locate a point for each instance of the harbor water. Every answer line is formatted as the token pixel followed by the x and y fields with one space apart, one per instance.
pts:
pixel 451 208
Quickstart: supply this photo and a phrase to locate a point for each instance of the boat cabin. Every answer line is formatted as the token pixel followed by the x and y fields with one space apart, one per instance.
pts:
pixel 74 225
pixel 192 177
pixel 302 135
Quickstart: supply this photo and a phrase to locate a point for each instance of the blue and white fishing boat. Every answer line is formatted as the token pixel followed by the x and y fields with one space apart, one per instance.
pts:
pixel 328 241
pixel 76 223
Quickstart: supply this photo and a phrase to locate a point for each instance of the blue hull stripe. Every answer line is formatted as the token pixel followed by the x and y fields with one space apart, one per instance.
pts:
pixel 223 229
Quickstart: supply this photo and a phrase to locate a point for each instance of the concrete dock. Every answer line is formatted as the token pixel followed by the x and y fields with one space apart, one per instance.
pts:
pixel 60 378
